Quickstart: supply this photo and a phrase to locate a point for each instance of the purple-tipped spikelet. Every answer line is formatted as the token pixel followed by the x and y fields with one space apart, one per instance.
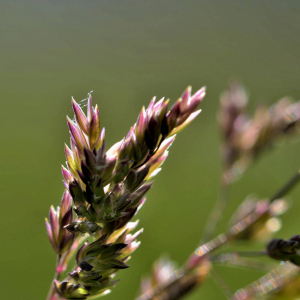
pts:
pixel 107 188
pixel 61 240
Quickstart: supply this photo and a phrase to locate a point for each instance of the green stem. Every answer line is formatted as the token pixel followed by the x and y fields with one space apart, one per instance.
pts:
pixel 240 254
pixel 222 284
pixel 216 215
pixel 64 260
pixel 233 260
pixel 286 188
pixel 56 277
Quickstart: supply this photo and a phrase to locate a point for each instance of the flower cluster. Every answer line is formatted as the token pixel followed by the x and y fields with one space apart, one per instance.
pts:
pixel 106 188
pixel 244 137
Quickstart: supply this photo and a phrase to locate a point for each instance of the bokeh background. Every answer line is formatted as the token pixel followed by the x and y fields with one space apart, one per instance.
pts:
pixel 126 52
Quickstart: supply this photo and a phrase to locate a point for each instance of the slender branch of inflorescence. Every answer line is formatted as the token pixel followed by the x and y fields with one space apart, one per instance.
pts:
pixel 287 187
pixel 56 277
pixel 217 212
pixel 221 282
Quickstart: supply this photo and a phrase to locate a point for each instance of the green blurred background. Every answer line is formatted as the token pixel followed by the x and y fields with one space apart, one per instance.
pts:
pixel 127 52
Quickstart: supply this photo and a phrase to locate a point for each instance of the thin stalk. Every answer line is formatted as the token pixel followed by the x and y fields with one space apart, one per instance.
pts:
pixel 222 284
pixel 56 277
pixel 232 260
pixel 64 260
pixel 286 187
pixel 217 212
pixel 244 253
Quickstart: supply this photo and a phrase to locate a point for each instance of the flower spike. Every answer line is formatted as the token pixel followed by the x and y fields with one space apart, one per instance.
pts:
pixel 106 189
